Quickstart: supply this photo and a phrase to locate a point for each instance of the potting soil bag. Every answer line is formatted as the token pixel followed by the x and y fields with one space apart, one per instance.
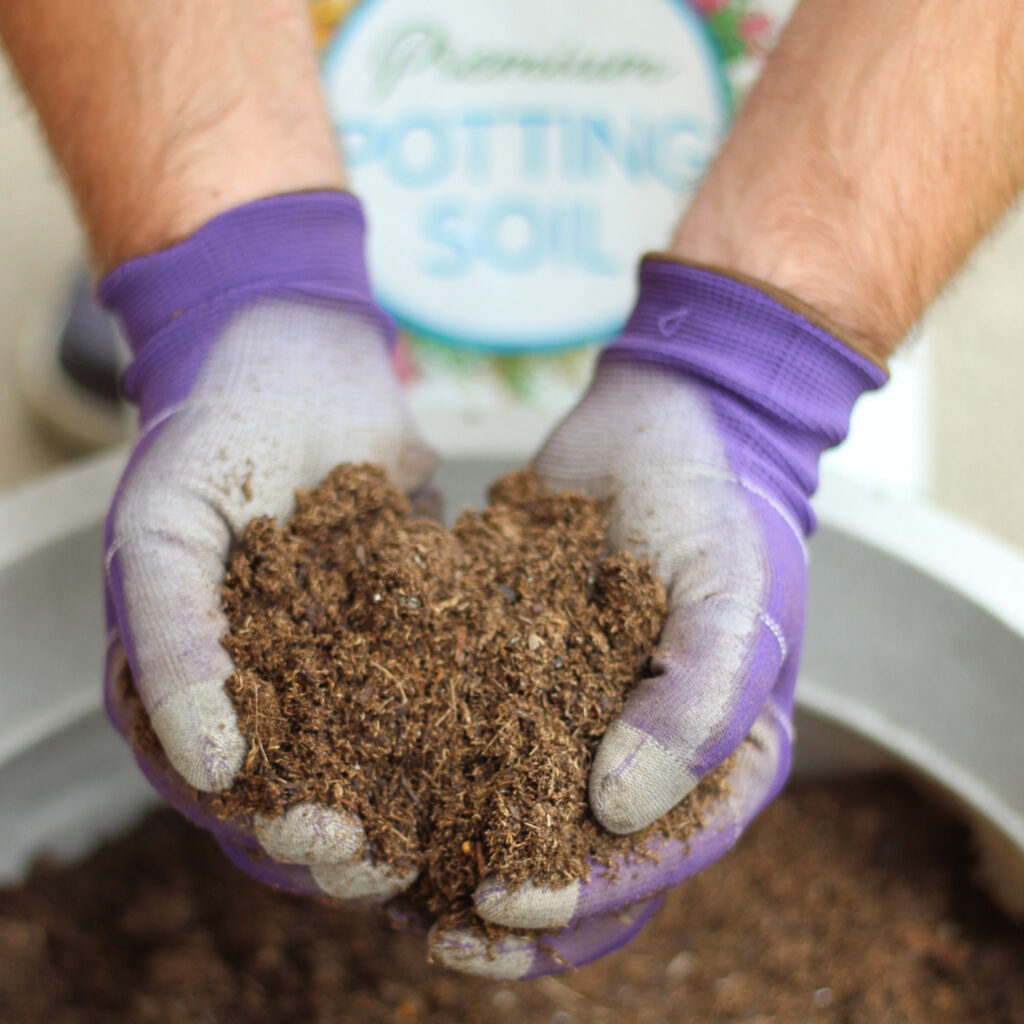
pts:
pixel 515 157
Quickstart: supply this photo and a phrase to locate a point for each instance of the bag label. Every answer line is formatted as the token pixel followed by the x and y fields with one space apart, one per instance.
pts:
pixel 515 157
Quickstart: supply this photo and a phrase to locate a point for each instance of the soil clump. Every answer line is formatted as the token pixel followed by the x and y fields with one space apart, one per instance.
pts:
pixel 449 687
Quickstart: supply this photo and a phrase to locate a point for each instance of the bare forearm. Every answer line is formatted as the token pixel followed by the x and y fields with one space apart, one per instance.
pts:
pixel 883 140
pixel 164 113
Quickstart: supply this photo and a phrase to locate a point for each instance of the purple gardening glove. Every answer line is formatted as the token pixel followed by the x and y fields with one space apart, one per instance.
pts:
pixel 261 361
pixel 703 428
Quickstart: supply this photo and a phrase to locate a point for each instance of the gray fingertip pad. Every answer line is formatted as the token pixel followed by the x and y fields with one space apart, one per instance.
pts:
pixel 198 730
pixel 507 959
pixel 527 905
pixel 361 879
pixel 634 780
pixel 310 834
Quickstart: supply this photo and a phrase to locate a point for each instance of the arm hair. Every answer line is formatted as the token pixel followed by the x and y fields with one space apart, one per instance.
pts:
pixel 884 139
pixel 164 113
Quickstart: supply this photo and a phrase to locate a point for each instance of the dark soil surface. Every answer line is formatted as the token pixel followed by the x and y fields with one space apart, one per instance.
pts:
pixel 844 903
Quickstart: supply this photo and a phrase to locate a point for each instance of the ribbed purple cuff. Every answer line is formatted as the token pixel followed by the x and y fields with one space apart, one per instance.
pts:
pixel 781 387
pixel 733 334
pixel 308 243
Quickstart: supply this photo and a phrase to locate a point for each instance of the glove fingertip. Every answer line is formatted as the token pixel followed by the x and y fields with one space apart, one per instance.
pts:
pixel 198 729
pixel 308 833
pixel 510 958
pixel 527 905
pixel 362 880
pixel 634 779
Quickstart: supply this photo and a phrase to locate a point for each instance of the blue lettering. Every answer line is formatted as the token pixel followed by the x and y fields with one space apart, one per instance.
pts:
pixel 478 127
pixel 445 225
pixel 589 254
pixel 361 141
pixel 560 237
pixel 678 153
pixel 602 143
pixel 513 235
pixel 421 150
pixel 534 125
pixel 497 243
pixel 572 146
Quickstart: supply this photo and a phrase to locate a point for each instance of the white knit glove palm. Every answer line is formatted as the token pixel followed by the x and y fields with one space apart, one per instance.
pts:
pixel 287 390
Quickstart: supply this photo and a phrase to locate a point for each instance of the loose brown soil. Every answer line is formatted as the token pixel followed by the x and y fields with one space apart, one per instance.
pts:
pixel 843 904
pixel 448 687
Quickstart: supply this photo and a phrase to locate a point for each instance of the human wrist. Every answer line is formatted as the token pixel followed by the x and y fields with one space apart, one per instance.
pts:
pixel 796 257
pixel 240 118
pixel 211 181
pixel 164 115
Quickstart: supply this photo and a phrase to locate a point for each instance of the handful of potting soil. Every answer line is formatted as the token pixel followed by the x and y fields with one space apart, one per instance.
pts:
pixel 447 687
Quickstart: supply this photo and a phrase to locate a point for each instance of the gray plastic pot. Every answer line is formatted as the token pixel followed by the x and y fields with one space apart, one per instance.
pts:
pixel 914 656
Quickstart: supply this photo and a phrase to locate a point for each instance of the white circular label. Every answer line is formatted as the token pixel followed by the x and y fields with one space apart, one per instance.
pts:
pixel 516 156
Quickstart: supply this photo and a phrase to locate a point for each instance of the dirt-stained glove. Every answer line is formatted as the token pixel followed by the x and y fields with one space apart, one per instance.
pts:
pixel 702 428
pixel 261 361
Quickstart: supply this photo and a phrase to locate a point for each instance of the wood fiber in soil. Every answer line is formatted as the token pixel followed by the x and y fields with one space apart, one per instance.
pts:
pixel 448 687
pixel 843 904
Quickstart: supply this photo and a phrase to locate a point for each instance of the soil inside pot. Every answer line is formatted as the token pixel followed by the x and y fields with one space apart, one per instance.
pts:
pixel 846 903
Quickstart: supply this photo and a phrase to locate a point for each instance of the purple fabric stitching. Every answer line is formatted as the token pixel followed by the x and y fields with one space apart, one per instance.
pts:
pixel 782 388
pixel 172 305
pixel 304 244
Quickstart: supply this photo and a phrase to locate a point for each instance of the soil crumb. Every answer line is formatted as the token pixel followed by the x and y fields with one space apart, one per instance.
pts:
pixel 845 903
pixel 447 686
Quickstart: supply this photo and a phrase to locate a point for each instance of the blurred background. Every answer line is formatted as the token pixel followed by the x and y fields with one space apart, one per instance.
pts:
pixel 947 430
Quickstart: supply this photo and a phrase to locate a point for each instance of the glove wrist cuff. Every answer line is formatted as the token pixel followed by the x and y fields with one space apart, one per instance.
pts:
pixel 786 299
pixel 303 243
pixel 744 335
pixel 781 385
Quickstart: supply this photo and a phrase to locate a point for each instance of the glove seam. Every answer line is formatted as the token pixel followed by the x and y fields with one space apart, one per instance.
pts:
pixel 777 507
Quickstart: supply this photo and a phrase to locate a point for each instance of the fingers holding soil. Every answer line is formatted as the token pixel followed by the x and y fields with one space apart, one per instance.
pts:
pixel 308 833
pixel 356 881
pixel 716 666
pixel 198 731
pixel 720 808
pixel 333 845
pixel 634 779
pixel 520 956
pixel 527 905
pixel 444 687
pixel 308 849
pixel 693 835
pixel 163 596
pixel 363 880
pixel 509 958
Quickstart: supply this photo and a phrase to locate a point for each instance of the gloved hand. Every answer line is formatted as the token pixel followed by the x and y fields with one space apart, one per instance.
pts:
pixel 261 361
pixel 703 428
